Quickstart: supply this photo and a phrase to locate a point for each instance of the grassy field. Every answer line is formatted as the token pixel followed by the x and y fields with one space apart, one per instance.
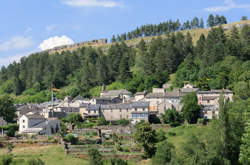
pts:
pixel 178 135
pixel 54 155
pixel 51 155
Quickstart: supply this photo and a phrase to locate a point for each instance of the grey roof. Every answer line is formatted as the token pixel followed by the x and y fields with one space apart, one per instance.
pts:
pixel 69 109
pixel 174 94
pixel 79 97
pixel 116 106
pixel 218 91
pixel 209 97
pixel 24 109
pixel 2 122
pixel 93 107
pixel 140 104
pixel 187 90
pixel 115 93
pixel 35 116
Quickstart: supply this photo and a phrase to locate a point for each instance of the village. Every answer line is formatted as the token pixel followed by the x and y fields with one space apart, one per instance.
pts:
pixel 114 105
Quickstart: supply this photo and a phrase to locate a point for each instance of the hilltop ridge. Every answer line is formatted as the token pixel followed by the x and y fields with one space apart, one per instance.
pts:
pixel 103 42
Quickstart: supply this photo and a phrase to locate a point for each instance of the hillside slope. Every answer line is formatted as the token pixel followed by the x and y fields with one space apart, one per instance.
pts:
pixel 195 34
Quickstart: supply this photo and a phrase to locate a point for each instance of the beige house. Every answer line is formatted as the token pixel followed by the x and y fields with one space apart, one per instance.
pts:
pixel 209 102
pixel 135 111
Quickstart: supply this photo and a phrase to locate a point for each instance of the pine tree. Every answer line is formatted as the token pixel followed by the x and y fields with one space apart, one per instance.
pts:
pixel 201 23
pixel 124 70
pixel 211 21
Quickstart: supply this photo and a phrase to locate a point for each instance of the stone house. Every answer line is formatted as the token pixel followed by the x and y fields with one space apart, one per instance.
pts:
pixel 37 124
pixel 135 111
pixel 209 101
pixel 123 94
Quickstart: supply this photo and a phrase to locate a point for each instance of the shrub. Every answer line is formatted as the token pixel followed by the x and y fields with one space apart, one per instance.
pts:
pixel 161 135
pixel 5 159
pixel 115 161
pixel 202 121
pixel 153 119
pixel 123 122
pixel 95 158
pixel 163 154
pixel 172 117
pixel 11 130
pixel 71 138
pixel 35 161
pixel 102 121
pixel 171 133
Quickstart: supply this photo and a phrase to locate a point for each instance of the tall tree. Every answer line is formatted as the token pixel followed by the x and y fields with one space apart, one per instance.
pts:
pixel 211 21
pixel 190 109
pixel 245 146
pixel 7 109
pixel 146 137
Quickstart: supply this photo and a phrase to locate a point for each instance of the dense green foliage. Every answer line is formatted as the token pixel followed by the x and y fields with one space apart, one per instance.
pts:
pixel 245 146
pixel 73 118
pixel 7 109
pixel 172 117
pixel 190 109
pixel 146 137
pixel 163 154
pixel 95 158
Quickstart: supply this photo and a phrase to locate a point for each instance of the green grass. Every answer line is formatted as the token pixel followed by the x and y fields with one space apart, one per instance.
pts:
pixel 51 155
pixel 182 132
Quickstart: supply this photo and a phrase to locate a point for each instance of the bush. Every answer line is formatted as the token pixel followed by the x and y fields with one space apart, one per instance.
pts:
pixel 5 159
pixel 95 158
pixel 171 133
pixel 35 161
pixel 123 122
pixel 161 135
pixel 115 161
pixel 163 154
pixel 11 130
pixel 202 121
pixel 172 117
pixel 153 119
pixel 102 121
pixel 71 138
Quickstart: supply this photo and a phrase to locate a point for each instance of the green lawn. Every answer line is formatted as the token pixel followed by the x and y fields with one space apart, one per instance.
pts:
pixel 51 155
pixel 178 135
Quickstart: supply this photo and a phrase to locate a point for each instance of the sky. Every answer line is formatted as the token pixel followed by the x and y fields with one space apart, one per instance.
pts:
pixel 29 26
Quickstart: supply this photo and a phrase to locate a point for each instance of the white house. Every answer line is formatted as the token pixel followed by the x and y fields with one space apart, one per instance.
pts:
pixel 37 124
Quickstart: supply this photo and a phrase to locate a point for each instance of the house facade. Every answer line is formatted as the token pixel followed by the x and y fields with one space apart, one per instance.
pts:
pixel 135 111
pixel 210 100
pixel 37 124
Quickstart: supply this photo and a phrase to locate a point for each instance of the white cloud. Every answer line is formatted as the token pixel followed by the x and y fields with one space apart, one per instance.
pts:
pixel 50 27
pixel 15 43
pixel 55 41
pixel 228 5
pixel 93 3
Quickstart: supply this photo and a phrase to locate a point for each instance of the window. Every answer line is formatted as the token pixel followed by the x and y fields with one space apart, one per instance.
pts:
pixel 23 126
pixel 94 111
pixel 120 110
pixel 23 121
pixel 120 116
pixel 127 110
pixel 143 109
pixel 135 109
